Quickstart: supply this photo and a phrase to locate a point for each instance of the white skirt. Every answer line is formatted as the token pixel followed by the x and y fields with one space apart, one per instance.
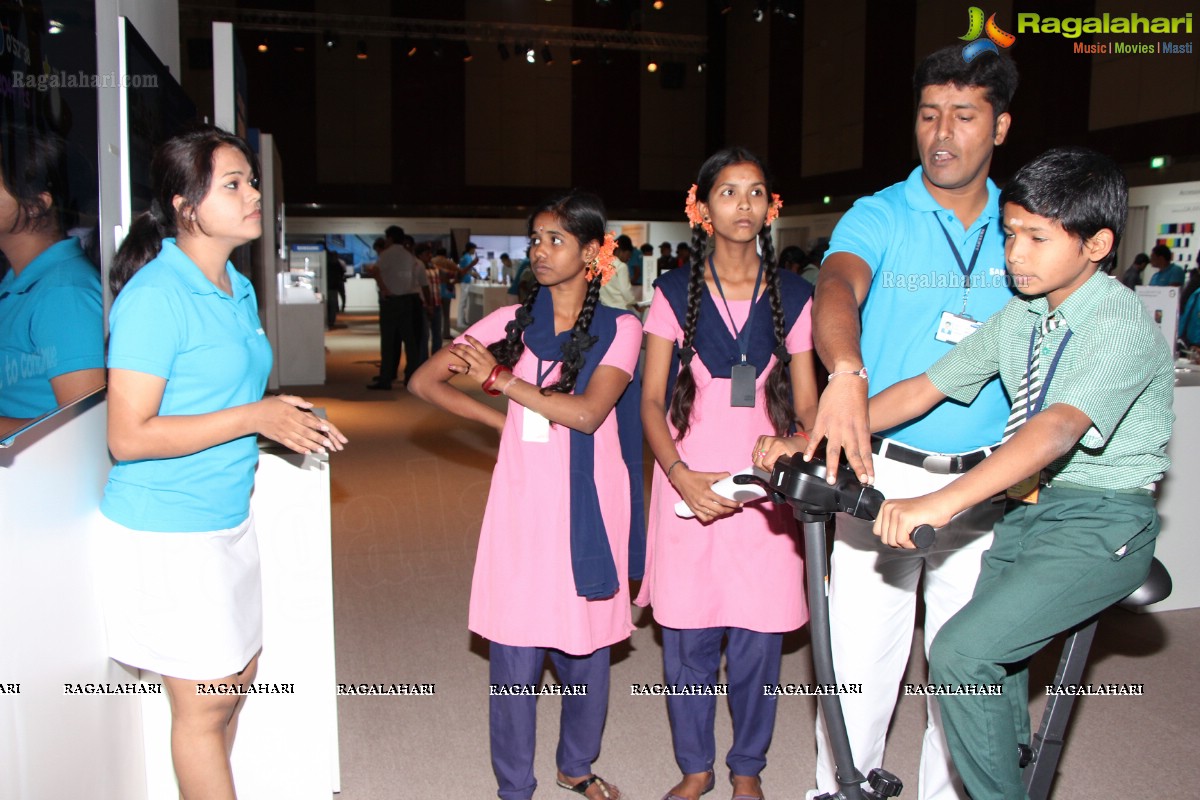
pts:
pixel 184 605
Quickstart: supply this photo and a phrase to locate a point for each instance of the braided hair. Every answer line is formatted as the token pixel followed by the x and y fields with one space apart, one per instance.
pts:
pixel 583 216
pixel 182 166
pixel 780 408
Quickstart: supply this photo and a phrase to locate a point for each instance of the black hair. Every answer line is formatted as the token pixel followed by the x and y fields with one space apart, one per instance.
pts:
pixel 780 407
pixel 1080 189
pixel 647 249
pixel 624 242
pixel 1162 251
pixel 424 247
pixel 995 73
pixel 379 245
pixel 35 163
pixel 181 167
pixel 1141 258
pixel 583 216
pixel 793 254
pixel 394 233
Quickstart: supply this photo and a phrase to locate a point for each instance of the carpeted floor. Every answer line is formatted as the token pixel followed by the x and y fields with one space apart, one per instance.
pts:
pixel 408 498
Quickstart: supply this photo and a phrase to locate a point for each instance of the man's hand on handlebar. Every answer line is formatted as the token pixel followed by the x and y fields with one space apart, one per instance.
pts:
pixel 842 419
pixel 898 518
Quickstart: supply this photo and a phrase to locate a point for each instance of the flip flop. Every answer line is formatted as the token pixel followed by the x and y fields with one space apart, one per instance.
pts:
pixel 708 787
pixel 586 783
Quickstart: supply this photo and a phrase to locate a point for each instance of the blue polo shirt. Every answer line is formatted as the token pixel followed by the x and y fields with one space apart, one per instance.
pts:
pixel 172 322
pixel 51 323
pixel 901 233
pixel 1171 276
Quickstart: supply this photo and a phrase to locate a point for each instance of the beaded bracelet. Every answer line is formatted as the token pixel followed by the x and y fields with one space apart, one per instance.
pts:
pixel 675 464
pixel 490 380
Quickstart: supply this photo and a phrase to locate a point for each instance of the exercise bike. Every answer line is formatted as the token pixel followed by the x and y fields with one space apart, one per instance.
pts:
pixel 805 487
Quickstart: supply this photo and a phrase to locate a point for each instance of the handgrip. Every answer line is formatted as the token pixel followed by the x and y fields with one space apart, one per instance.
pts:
pixel 923 536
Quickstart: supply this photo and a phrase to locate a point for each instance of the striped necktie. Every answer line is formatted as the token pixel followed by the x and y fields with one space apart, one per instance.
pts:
pixel 1031 384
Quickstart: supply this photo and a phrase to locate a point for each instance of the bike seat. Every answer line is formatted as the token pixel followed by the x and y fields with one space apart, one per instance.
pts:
pixel 1155 588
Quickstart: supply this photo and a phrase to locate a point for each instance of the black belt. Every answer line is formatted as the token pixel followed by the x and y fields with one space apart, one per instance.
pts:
pixel 940 465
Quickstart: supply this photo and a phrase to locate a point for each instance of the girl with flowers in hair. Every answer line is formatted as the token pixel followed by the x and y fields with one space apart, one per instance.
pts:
pixel 728 358
pixel 564 517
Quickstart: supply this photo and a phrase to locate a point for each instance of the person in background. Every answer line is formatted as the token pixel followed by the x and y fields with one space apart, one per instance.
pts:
pixel 448 275
pixel 506 269
pixel 796 260
pixel 466 275
pixel 335 292
pixel 176 553
pixel 647 251
pixel 666 259
pixel 51 317
pixel 404 292
pixel 431 329
pixel 633 261
pixel 683 255
pixel 617 292
pixel 1167 274
pixel 1132 277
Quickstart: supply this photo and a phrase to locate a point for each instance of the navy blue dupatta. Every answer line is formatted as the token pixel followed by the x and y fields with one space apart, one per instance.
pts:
pixel 713 343
pixel 592 561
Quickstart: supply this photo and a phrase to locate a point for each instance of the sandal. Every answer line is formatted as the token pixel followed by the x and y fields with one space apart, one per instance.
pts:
pixel 586 783
pixel 708 787
pixel 759 796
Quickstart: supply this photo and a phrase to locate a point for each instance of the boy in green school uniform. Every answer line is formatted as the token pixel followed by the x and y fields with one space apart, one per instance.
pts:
pixel 1091 382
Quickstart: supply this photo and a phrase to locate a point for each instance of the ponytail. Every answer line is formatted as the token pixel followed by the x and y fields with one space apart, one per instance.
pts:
pixel 142 244
pixel 780 407
pixel 684 393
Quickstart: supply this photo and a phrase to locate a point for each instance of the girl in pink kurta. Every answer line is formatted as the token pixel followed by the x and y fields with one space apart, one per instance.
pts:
pixel 563 525
pixel 732 572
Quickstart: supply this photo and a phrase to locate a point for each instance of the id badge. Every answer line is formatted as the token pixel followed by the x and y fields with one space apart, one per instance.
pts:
pixel 741 381
pixel 953 328
pixel 534 427
pixel 1027 490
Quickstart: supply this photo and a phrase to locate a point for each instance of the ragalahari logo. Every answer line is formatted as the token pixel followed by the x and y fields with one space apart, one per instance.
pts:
pixel 976 27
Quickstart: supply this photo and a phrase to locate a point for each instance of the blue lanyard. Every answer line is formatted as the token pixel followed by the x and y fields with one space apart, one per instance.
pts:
pixel 963 268
pixel 743 335
pixel 1031 406
pixel 543 374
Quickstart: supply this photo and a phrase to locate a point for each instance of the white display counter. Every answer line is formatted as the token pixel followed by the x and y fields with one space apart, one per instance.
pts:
pixel 1178 546
pixel 482 299
pixel 362 296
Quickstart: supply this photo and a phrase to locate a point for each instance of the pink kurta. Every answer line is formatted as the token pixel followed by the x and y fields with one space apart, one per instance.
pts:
pixel 523 590
pixel 744 570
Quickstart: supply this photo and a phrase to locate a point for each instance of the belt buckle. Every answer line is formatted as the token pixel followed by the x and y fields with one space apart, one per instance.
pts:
pixel 939 465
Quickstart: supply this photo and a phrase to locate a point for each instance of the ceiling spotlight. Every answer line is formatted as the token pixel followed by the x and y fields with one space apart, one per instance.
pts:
pixel 701 65
pixel 362 50
pixel 412 50
pixel 466 53
pixel 547 57
pixel 54 26
pixel 658 5
pixel 262 46
pixel 760 10
pixel 330 40
pixel 530 56
pixel 576 57
pixel 652 66
pixel 502 48
pixel 437 49
pixel 726 8
pixel 789 9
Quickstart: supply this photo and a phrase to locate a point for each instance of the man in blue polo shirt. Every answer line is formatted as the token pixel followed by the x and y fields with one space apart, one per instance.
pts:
pixel 1165 273
pixel 923 263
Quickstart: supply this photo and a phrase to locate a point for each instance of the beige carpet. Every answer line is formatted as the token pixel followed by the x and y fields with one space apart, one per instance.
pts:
pixel 408 497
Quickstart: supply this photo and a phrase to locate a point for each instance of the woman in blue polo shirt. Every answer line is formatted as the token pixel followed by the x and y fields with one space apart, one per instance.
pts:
pixel 51 328
pixel 188 363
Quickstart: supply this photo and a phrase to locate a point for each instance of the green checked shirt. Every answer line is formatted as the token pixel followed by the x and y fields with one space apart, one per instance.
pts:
pixel 1116 369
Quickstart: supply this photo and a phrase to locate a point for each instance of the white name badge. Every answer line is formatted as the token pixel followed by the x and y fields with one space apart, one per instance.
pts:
pixel 534 427
pixel 953 328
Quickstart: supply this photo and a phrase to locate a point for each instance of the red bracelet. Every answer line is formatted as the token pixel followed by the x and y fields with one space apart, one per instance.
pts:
pixel 490 380
pixel 802 433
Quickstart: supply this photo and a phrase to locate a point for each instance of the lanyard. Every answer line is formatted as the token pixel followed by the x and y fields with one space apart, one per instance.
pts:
pixel 963 268
pixel 543 374
pixel 1034 406
pixel 743 335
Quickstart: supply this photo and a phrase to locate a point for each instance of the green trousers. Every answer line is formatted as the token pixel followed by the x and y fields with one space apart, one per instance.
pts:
pixel 1052 565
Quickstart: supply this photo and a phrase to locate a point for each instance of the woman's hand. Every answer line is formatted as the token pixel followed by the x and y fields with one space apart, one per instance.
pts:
pixel 287 419
pixel 768 449
pixel 696 490
pixel 477 360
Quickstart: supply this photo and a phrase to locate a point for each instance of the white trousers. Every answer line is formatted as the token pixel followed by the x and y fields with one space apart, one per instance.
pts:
pixel 872 609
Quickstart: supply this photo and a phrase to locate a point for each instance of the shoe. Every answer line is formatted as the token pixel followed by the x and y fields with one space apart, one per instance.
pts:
pixel 606 789
pixel 382 385
pixel 708 787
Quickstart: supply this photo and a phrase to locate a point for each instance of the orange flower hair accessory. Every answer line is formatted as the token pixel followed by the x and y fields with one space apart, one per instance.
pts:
pixel 773 209
pixel 602 264
pixel 693 213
